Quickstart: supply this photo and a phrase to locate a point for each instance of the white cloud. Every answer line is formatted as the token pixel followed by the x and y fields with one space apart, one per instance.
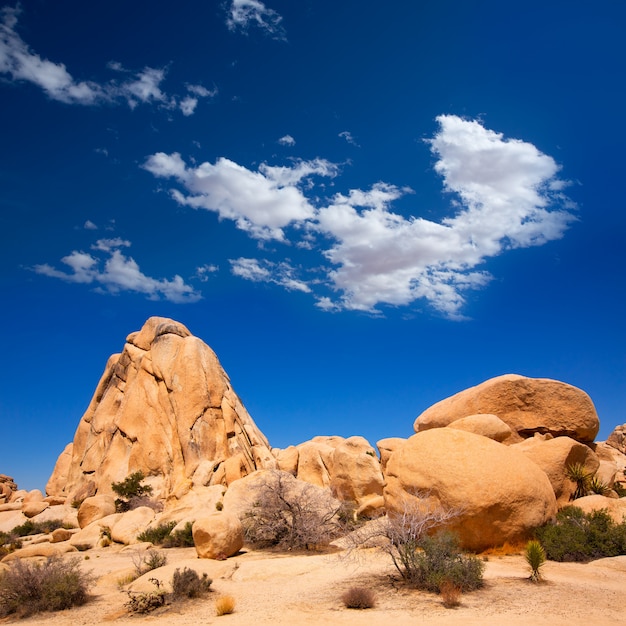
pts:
pixel 246 13
pixel 89 225
pixel 507 194
pixel 265 271
pixel 349 138
pixel 287 140
pixel 203 272
pixel 144 87
pixel 262 203
pixel 118 273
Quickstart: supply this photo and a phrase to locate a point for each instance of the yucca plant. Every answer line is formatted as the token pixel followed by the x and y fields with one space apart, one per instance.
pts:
pixel 535 556
pixel 596 485
pixel 579 475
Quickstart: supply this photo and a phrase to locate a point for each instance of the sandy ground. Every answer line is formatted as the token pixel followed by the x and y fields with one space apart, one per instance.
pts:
pixel 306 589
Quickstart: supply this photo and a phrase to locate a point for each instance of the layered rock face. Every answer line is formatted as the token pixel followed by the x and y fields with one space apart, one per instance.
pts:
pixel 526 405
pixel 164 406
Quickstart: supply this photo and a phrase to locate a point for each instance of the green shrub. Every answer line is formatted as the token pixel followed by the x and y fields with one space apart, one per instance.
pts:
pixel 29 527
pixel 535 556
pixel 182 538
pixel 579 536
pixel 579 475
pixel 189 584
pixel 359 598
pixel 29 588
pixel 157 534
pixel 131 492
pixel 438 558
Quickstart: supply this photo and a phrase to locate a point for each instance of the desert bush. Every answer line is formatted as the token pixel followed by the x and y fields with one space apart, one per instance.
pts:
pixel 579 475
pixel 146 601
pixel 224 605
pixel 535 556
pixel 30 527
pixel 157 534
pixel 598 486
pixel 146 562
pixel 619 489
pixel 131 492
pixel 290 519
pixel 182 538
pixel 8 543
pixel 579 536
pixel 438 559
pixel 359 598
pixel 189 584
pixel 29 588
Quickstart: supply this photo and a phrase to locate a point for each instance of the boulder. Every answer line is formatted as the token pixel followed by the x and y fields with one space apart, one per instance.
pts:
pixel 615 507
pixel 162 406
pixel 61 534
pixel 617 439
pixel 356 475
pixel 386 447
pixel 287 459
pixel 485 424
pixel 527 405
pixel 7 487
pixel 132 523
pixel 497 493
pixel 95 508
pixel 554 456
pixel 45 550
pixel 315 463
pixel 31 509
pixel 217 536
pixel 92 536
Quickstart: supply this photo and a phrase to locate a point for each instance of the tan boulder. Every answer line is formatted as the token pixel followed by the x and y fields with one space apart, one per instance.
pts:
pixel 499 495
pixel 615 507
pixel 61 534
pixel 31 509
pixel 33 496
pixel 10 519
pixel 132 523
pixel 554 456
pixel 386 447
pixel 287 459
pixel 217 536
pixel 315 463
pixel 617 439
pixel 67 515
pixel 163 406
pixel 356 475
pixel 7 487
pixel 485 424
pixel 92 536
pixel 527 405
pixel 39 550
pixel 197 503
pixel 95 508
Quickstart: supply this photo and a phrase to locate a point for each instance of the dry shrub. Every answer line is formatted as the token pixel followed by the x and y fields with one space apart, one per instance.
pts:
pixel 506 549
pixel 145 602
pixel 450 594
pixel 359 598
pixel 224 605
pixel 189 584
pixel 54 585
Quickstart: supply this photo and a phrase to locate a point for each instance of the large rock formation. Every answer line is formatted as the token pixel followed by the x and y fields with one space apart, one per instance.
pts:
pixel 164 406
pixel 497 493
pixel 526 405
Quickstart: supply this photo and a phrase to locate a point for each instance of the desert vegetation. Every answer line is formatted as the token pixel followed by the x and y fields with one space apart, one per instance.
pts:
pixel 27 588
pixel 132 493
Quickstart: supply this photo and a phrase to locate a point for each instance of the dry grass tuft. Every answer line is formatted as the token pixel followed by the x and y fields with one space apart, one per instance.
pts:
pixel 359 598
pixel 506 549
pixel 450 594
pixel 224 605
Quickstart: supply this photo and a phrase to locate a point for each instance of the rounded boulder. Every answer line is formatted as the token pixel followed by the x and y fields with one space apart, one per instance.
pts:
pixel 217 536
pixel 497 494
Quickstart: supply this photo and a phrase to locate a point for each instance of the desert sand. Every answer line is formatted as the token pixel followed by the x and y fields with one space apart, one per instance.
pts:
pixel 272 588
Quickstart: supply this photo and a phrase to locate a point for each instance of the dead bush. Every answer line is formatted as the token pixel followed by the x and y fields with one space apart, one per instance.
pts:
pixel 292 515
pixel 54 585
pixel 359 598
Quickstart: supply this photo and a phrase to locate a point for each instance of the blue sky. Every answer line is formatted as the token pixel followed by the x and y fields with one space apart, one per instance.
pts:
pixel 362 207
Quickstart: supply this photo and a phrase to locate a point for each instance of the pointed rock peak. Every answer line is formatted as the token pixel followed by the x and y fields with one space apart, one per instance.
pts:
pixel 155 327
pixel 165 407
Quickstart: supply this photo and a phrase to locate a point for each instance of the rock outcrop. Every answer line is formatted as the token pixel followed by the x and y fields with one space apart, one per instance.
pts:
pixel 497 493
pixel 526 405
pixel 164 406
pixel 617 439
